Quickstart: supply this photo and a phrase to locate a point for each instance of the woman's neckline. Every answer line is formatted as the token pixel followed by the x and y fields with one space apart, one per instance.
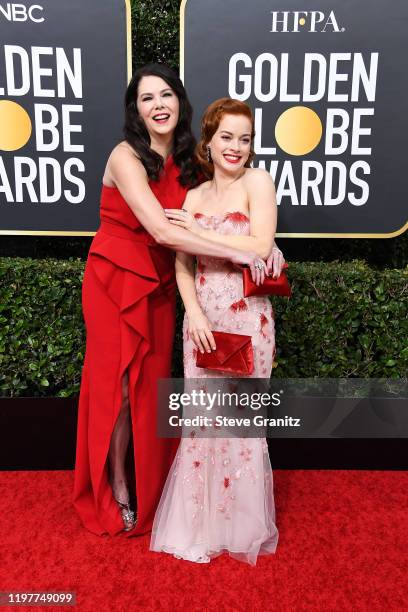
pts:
pixel 114 186
pixel 228 212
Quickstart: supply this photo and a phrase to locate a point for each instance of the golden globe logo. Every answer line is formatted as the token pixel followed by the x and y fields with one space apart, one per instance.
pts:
pixel 347 80
pixel 312 21
pixel 46 125
pixel 329 104
pixel 20 12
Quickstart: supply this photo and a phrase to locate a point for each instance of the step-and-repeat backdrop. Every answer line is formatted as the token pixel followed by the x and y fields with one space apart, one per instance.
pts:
pixel 328 86
pixel 63 74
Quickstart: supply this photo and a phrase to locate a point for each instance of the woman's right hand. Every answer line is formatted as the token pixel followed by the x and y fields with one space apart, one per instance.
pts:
pixel 254 262
pixel 200 331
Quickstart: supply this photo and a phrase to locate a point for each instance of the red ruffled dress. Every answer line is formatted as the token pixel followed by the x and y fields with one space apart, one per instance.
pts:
pixel 128 298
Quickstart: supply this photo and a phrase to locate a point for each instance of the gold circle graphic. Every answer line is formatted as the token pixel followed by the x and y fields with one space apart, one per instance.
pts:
pixel 302 21
pixel 298 130
pixel 15 126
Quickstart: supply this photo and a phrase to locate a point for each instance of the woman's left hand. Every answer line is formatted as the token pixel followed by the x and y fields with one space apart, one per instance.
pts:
pixel 183 218
pixel 275 262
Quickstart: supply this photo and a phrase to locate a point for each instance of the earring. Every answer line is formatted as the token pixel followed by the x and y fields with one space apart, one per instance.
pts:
pixel 209 158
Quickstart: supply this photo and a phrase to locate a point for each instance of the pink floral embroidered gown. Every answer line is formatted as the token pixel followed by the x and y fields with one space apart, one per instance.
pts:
pixel 218 496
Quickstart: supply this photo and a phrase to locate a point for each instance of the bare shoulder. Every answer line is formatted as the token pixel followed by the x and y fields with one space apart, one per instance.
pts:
pixel 257 177
pixel 124 152
pixel 123 159
pixel 194 197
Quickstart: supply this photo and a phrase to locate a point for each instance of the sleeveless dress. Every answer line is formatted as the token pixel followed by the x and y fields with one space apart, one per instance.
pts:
pixel 218 496
pixel 128 299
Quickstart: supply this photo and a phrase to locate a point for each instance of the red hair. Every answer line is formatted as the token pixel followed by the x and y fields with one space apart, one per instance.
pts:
pixel 210 123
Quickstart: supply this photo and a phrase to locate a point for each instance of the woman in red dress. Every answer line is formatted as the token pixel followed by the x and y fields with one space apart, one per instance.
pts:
pixel 129 293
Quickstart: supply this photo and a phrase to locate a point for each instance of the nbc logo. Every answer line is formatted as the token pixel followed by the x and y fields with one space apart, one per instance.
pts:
pixel 20 12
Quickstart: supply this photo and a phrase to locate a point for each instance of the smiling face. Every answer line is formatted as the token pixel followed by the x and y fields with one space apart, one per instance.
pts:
pixel 157 105
pixel 231 144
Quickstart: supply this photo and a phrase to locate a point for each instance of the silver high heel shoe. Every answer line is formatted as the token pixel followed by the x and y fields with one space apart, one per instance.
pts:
pixel 128 516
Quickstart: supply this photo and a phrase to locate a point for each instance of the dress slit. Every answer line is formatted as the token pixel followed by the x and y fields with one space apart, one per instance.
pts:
pixel 129 453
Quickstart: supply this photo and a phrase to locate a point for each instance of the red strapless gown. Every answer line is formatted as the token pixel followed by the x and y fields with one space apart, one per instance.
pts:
pixel 128 299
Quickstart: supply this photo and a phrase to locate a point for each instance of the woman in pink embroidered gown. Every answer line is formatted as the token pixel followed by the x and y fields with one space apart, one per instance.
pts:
pixel 218 496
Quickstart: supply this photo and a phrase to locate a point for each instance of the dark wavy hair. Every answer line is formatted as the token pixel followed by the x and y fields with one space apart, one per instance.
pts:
pixel 137 136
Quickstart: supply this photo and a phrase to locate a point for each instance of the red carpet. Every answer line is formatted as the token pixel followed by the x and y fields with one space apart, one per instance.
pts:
pixel 343 546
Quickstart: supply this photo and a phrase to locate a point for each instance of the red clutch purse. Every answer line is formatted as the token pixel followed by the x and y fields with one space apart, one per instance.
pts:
pixel 270 286
pixel 234 353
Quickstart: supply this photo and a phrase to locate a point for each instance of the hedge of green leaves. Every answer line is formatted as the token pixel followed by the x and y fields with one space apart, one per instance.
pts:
pixel 41 327
pixel 343 320
pixel 155 32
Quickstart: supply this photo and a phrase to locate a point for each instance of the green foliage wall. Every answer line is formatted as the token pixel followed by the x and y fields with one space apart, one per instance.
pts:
pixel 346 318
pixel 343 320
pixel 155 32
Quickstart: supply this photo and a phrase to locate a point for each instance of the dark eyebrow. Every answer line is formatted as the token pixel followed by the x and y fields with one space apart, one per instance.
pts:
pixel 148 93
